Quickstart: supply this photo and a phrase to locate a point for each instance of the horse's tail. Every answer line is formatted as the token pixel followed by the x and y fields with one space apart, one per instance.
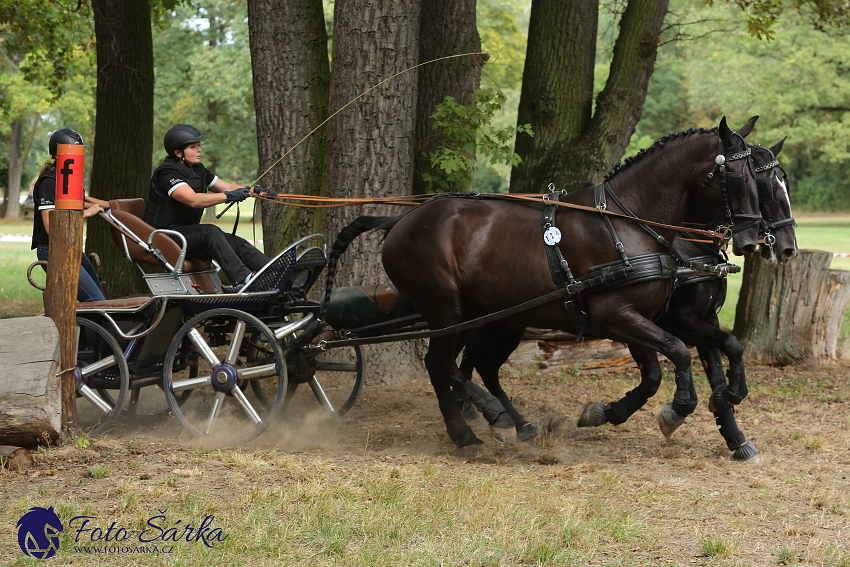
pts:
pixel 345 237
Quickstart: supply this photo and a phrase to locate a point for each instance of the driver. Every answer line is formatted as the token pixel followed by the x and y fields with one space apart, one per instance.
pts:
pixel 181 188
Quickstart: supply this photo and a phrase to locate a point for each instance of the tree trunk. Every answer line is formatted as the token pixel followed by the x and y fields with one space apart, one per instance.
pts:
pixel 17 159
pixel 569 147
pixel 12 204
pixel 557 86
pixel 124 125
pixel 289 58
pixel 446 27
pixel 371 145
pixel 792 313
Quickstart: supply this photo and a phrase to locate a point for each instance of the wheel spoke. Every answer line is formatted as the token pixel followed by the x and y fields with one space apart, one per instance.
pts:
pixel 236 341
pixel 191 383
pixel 203 348
pixel 319 392
pixel 246 405
pixel 219 399
pixel 76 344
pixel 256 371
pixel 102 364
pixel 92 396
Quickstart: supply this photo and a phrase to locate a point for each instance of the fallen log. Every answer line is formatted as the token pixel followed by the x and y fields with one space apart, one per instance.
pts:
pixel 30 396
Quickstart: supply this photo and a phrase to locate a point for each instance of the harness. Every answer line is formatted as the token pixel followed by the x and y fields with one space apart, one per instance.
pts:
pixel 646 267
pixel 767 193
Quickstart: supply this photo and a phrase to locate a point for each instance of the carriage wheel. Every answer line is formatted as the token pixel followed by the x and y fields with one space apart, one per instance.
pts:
pixel 100 367
pixel 335 381
pixel 132 409
pixel 219 407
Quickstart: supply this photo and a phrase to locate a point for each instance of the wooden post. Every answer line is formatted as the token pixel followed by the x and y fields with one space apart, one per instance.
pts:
pixel 60 299
pixel 792 313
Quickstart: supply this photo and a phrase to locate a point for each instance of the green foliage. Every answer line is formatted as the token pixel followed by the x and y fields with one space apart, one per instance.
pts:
pixel 56 37
pixel 798 83
pixel 470 136
pixel 203 77
pixel 503 28
pixel 763 15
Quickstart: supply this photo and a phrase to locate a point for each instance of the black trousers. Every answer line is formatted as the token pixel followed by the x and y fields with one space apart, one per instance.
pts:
pixel 237 258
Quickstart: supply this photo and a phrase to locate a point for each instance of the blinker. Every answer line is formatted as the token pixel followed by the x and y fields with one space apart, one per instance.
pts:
pixel 765 189
pixel 735 184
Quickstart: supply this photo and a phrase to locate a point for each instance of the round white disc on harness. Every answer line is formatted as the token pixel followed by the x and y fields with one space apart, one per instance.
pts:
pixel 552 236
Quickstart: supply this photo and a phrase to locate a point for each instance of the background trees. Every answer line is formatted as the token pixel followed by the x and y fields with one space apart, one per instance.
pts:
pixel 586 71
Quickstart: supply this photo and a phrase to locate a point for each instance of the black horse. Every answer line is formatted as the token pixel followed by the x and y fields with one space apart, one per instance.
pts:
pixel 694 306
pixel 691 316
pixel 456 259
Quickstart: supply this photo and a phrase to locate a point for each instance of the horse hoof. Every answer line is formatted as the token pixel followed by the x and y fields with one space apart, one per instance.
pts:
pixel 504 435
pixel 747 453
pixel 472 451
pixel 668 420
pixel 527 432
pixel 717 402
pixel 593 415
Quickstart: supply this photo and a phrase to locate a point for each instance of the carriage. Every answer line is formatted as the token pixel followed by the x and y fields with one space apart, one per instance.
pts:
pixel 229 359
pixel 226 359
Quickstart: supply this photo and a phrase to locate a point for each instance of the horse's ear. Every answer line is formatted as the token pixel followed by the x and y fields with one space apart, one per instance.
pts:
pixel 725 132
pixel 748 127
pixel 778 147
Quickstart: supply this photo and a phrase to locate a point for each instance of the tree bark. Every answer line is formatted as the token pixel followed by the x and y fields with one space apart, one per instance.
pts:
pixel 557 86
pixel 289 57
pixel 372 145
pixel 30 396
pixel 569 146
pixel 11 205
pixel 446 27
pixel 124 124
pixel 792 313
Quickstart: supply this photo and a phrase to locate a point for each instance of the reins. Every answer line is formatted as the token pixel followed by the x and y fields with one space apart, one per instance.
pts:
pixel 413 200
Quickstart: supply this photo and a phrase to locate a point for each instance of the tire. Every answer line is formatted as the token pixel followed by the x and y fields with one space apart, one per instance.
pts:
pixel 335 383
pixel 219 407
pixel 102 377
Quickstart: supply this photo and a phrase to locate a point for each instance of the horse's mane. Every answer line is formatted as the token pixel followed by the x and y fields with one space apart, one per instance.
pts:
pixel 658 144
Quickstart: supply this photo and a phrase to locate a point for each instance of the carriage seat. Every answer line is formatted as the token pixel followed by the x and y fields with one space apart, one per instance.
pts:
pixel 130 212
pixel 130 303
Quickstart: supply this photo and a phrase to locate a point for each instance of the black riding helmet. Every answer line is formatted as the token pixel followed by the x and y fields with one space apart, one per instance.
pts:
pixel 180 136
pixel 65 136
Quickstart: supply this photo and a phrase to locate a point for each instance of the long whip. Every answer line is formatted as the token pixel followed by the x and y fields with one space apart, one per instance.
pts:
pixel 346 106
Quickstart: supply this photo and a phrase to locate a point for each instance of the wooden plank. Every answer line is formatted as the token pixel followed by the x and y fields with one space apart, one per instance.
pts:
pixel 30 397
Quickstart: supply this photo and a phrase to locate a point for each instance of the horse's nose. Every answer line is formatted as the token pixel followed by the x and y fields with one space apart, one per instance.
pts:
pixel 749 248
pixel 788 253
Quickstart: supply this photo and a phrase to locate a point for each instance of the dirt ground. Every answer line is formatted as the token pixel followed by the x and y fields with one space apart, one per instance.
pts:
pixel 793 508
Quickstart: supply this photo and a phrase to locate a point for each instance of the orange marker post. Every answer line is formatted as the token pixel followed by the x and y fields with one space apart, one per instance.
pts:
pixel 69 177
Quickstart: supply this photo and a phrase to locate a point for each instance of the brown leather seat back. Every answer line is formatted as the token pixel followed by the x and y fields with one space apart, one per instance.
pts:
pixel 130 212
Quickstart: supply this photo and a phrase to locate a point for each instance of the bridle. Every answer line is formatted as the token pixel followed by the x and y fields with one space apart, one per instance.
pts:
pixel 767 193
pixel 732 184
